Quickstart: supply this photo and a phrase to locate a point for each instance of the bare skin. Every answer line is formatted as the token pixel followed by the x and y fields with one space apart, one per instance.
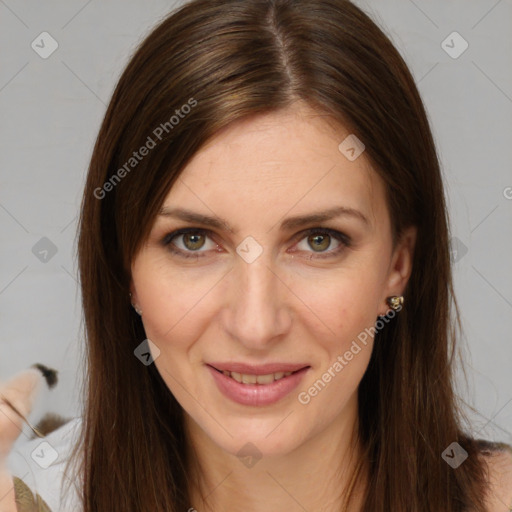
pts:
pixel 289 305
pixel 285 306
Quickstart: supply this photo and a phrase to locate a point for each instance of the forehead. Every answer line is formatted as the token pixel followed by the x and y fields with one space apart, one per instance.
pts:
pixel 271 164
pixel 297 135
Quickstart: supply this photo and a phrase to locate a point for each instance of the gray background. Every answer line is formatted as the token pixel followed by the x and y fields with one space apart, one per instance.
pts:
pixel 51 109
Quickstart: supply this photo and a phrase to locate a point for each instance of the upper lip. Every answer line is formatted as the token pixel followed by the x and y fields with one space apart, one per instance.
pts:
pixel 263 369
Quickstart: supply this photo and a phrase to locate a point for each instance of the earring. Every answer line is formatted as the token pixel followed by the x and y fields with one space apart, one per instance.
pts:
pixel 139 312
pixel 395 302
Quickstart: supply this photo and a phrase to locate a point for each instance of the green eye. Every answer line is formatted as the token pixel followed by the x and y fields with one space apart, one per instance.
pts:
pixel 319 241
pixel 193 241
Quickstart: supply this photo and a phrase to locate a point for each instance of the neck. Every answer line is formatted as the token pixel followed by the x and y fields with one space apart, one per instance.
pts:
pixel 317 475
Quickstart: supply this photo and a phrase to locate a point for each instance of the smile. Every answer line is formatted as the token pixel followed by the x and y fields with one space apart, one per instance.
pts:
pixel 256 386
pixel 245 378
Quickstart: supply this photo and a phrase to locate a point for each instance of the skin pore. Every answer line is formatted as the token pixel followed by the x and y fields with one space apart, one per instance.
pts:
pixel 303 300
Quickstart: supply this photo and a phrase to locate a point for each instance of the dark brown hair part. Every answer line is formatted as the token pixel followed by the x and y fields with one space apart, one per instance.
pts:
pixel 226 60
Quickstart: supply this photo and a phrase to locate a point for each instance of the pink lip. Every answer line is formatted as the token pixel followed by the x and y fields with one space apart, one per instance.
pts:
pixel 257 394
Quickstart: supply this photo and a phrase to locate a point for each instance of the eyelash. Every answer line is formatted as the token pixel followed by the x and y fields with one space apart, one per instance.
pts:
pixel 341 237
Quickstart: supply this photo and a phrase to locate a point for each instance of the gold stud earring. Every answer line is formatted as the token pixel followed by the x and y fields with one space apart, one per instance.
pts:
pixel 395 302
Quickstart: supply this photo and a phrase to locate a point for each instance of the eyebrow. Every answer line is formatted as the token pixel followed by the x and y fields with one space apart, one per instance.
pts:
pixel 288 224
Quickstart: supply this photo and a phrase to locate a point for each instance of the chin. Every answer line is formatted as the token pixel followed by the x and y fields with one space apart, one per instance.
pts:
pixel 267 437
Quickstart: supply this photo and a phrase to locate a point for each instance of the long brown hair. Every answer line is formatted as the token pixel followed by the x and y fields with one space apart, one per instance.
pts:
pixel 209 63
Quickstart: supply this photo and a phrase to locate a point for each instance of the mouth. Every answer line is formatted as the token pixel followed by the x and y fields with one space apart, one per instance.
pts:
pixel 252 378
pixel 260 385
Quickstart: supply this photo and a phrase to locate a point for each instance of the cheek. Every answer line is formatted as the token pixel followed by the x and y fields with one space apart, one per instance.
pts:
pixel 344 301
pixel 174 303
pixel 344 339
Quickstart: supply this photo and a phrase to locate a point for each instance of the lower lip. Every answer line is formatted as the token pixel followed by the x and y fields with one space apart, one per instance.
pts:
pixel 257 394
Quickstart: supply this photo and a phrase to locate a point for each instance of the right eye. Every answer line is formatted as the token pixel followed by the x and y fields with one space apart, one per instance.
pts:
pixel 191 241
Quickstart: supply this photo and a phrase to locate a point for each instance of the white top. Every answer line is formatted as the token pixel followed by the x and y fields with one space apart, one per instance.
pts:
pixel 40 464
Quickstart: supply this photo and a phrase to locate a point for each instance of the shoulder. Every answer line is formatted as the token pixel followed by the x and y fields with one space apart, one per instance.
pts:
pixel 498 459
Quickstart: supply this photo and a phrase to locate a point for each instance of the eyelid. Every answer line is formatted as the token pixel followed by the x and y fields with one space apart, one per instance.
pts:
pixel 344 240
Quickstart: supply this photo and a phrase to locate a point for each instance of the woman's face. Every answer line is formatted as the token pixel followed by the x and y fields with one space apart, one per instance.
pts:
pixel 261 293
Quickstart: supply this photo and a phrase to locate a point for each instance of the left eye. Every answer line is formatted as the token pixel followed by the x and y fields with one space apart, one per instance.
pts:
pixel 320 241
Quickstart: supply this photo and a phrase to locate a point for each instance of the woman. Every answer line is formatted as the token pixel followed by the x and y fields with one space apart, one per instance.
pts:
pixel 265 192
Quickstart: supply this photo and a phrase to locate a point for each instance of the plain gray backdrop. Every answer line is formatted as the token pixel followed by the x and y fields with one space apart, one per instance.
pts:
pixel 51 109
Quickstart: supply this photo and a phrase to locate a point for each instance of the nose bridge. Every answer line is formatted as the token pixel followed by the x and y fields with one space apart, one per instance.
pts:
pixel 258 311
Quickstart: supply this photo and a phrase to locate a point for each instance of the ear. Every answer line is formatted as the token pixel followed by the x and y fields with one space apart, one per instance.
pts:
pixel 133 293
pixel 134 299
pixel 400 267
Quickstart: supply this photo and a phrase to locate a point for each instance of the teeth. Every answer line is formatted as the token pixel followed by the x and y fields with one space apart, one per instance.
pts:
pixel 236 376
pixel 265 379
pixel 249 379
pixel 253 379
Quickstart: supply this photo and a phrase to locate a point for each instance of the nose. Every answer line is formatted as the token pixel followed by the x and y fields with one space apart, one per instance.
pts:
pixel 258 310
